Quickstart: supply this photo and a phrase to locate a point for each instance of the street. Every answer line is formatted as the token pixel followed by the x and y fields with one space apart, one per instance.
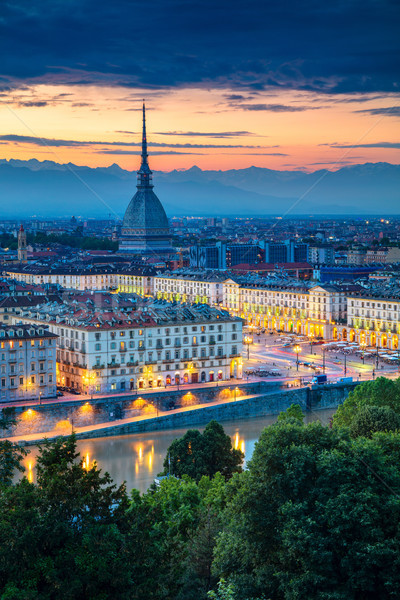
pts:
pixel 276 355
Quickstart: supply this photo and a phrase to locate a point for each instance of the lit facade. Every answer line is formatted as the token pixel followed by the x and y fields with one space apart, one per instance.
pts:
pixel 27 362
pixel 157 345
pixel 372 320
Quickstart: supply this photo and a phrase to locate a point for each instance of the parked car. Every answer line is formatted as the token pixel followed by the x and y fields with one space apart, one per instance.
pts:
pixel 74 392
pixel 59 393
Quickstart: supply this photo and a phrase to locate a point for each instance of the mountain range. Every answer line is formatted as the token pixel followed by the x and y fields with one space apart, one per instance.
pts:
pixel 49 189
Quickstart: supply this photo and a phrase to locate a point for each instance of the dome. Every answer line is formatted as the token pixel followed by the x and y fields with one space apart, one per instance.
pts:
pixel 145 211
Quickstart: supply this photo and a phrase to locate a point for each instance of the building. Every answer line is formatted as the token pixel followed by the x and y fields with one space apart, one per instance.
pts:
pixel 321 255
pixel 291 306
pixel 145 227
pixel 189 286
pixel 373 318
pixel 13 306
pixel 385 256
pixel 115 343
pixel 22 249
pixel 27 362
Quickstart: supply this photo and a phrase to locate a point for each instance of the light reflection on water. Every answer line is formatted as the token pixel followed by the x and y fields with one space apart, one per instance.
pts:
pixel 139 457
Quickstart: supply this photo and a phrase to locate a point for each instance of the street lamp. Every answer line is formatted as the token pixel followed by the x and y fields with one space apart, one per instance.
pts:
pixel 297 349
pixel 345 364
pixel 363 346
pixel 247 341
pixel 377 354
pixel 311 336
pixel 323 359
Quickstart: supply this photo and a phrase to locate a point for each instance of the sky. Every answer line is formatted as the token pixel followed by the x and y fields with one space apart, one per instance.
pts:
pixel 284 85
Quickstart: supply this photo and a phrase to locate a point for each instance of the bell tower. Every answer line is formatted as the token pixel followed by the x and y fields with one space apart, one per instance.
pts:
pixel 22 251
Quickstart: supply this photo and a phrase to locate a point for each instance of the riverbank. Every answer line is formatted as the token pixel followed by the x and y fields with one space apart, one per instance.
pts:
pixel 238 405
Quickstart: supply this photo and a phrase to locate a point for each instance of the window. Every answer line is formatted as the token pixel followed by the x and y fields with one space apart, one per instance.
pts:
pixel 234 349
pixel 97 347
pixel 96 335
pixel 32 366
pixel 21 381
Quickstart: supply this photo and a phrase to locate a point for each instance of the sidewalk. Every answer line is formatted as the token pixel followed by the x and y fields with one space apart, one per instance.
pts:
pixel 130 393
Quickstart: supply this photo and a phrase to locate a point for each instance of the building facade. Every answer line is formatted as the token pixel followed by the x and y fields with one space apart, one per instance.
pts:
pixel 27 362
pixel 153 345
pixel 373 319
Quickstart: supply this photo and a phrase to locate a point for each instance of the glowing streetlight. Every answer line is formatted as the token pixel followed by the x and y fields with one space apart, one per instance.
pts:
pixel 297 349
pixel 363 346
pixel 248 340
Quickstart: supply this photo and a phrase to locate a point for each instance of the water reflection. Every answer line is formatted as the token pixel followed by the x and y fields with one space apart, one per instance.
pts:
pixel 138 458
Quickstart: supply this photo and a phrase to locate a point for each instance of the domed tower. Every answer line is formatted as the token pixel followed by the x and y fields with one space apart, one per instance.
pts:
pixel 145 228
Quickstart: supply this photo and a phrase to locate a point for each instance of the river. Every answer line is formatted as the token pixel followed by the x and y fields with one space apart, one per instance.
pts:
pixel 137 458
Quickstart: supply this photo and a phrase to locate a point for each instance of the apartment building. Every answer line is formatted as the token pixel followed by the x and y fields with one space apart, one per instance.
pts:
pixel 291 307
pixel 141 343
pixel 197 287
pixel 373 318
pixel 27 362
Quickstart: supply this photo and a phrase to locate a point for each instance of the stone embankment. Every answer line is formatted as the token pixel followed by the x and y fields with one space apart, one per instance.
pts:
pixel 166 410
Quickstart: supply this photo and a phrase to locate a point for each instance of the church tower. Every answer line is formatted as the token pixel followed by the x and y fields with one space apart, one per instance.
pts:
pixel 22 251
pixel 145 228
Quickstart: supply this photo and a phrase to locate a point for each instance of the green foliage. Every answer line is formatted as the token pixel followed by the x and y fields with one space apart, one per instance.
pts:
pixel 197 454
pixel 381 392
pixel 293 412
pixel 313 517
pixel 370 419
pixel 74 241
pixel 225 591
pixel 66 537
pixel 11 454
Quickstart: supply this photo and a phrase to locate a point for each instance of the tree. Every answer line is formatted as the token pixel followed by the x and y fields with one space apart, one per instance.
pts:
pixel 381 392
pixel 293 412
pixel 177 524
pixel 370 419
pixel 315 516
pixel 11 454
pixel 68 537
pixel 197 454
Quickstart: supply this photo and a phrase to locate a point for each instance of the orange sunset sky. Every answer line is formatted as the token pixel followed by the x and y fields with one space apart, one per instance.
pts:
pixel 216 128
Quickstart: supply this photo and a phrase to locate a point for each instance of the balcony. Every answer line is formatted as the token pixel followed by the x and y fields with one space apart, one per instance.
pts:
pixel 113 364
pixel 123 349
pixel 98 367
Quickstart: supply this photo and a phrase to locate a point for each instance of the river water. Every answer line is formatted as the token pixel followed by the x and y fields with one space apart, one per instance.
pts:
pixel 138 458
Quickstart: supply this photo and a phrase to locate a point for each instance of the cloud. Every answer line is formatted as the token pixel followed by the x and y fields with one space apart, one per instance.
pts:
pixel 394 145
pixel 216 134
pixel 245 46
pixel 389 111
pixel 274 107
pixel 32 103
pixel 155 153
pixel 28 139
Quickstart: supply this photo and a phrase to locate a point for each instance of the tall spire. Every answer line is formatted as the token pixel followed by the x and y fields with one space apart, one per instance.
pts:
pixel 144 173
pixel 144 139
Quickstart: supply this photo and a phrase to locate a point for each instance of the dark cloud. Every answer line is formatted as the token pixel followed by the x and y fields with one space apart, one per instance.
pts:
pixel 389 111
pixel 216 134
pixel 339 47
pixel 155 153
pixel 28 139
pixel 395 145
pixel 32 103
pixel 274 107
